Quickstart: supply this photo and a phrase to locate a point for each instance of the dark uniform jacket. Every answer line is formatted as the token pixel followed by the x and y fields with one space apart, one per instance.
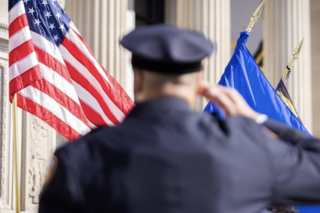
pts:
pixel 165 158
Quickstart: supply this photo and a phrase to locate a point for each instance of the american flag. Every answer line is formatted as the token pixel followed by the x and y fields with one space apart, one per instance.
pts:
pixel 55 74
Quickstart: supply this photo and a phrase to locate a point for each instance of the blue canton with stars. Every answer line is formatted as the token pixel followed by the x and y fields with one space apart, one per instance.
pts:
pixel 46 17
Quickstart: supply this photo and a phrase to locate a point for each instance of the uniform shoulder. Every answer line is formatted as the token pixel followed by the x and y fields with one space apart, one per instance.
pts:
pixel 236 120
pixel 81 145
pixel 226 128
pixel 245 125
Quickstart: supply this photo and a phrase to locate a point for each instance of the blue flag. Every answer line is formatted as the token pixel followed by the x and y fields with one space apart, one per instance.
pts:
pixel 244 74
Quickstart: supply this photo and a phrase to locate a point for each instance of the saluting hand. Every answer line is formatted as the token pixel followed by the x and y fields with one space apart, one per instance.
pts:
pixel 228 99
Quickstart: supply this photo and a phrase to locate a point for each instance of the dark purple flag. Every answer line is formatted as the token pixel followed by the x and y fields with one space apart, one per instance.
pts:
pixel 283 93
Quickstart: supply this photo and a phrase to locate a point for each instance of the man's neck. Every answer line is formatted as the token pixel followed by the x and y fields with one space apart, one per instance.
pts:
pixel 180 92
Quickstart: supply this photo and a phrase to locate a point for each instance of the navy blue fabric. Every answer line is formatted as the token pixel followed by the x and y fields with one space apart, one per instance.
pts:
pixel 12 3
pixel 165 158
pixel 54 22
pixel 167 44
pixel 243 74
pixel 307 209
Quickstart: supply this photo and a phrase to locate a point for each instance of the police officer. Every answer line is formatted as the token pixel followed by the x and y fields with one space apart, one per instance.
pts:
pixel 166 158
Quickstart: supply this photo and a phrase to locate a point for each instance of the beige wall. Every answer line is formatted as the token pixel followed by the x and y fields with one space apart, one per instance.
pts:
pixel 286 23
pixel 212 18
pixel 315 64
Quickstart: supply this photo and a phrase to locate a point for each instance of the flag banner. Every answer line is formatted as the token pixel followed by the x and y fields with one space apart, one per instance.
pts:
pixel 307 209
pixel 284 94
pixel 55 74
pixel 244 74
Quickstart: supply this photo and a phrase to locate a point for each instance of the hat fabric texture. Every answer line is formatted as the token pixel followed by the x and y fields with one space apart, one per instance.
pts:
pixel 167 49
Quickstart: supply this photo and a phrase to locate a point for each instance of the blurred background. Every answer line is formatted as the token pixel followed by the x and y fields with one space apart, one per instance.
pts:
pixel 283 24
pixel 102 23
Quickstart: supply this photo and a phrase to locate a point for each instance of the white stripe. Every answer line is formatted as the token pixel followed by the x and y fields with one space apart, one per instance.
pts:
pixel 93 81
pixel 50 104
pixel 75 39
pixel 19 38
pixel 47 46
pixel 23 65
pixel 87 98
pixel 59 82
pixel 92 125
pixel 16 11
pixel 71 24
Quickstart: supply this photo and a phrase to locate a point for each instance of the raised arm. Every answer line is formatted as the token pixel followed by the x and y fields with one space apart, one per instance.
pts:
pixel 295 156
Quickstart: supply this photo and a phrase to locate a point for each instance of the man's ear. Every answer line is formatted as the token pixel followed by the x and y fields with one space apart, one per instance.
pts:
pixel 138 80
pixel 200 76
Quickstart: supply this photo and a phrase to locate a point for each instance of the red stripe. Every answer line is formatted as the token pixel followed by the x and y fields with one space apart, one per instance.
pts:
pixel 77 77
pixel 124 103
pixel 117 95
pixel 53 63
pixel 18 24
pixel 83 41
pixel 61 98
pixel 24 80
pixel 21 52
pixel 47 116
pixel 77 54
pixel 92 115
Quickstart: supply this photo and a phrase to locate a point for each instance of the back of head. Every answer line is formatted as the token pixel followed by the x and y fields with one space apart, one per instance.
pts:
pixel 167 61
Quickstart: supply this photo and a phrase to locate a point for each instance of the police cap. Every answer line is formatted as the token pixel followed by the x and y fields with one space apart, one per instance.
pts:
pixel 167 49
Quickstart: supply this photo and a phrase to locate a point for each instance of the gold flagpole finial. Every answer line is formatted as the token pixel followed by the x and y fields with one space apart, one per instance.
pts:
pixel 294 57
pixel 255 16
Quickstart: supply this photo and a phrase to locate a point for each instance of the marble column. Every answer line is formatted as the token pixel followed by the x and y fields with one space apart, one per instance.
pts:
pixel 6 154
pixel 212 18
pixel 287 22
pixel 102 24
pixel 38 145
pixel 315 64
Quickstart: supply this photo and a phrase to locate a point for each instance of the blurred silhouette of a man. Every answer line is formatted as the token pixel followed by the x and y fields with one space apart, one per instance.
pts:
pixel 166 158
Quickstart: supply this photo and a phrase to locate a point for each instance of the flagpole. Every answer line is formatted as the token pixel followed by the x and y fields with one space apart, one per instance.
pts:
pixel 256 15
pixel 15 153
pixel 294 57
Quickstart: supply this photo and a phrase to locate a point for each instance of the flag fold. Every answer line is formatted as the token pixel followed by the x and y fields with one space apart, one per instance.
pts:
pixel 55 74
pixel 244 74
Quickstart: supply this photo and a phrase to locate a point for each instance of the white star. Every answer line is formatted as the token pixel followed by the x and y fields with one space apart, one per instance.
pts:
pixel 37 22
pixel 62 27
pixel 51 26
pixel 48 14
pixel 58 15
pixel 31 10
pixel 55 37
pixel 44 2
pixel 26 1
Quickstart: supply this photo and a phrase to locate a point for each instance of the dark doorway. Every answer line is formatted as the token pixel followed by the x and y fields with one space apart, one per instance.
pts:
pixel 149 12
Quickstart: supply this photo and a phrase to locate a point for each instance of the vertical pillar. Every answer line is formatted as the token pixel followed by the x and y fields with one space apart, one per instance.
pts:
pixel 315 57
pixel 38 145
pixel 212 18
pixel 6 158
pixel 286 22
